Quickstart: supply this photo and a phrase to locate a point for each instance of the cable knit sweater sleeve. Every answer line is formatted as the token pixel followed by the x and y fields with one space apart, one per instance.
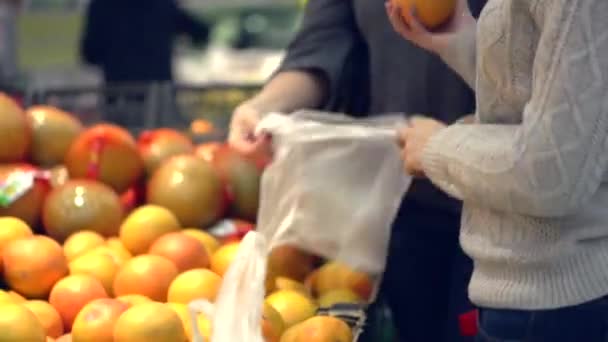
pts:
pixel 553 161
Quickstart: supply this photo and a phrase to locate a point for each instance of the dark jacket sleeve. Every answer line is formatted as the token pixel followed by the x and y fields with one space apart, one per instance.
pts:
pixel 330 44
pixel 94 33
pixel 187 24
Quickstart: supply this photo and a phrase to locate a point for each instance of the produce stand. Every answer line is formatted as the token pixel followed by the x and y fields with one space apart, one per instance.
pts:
pixel 139 107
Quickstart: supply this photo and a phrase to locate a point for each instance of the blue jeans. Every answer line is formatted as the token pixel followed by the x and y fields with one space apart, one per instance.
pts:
pixel 582 323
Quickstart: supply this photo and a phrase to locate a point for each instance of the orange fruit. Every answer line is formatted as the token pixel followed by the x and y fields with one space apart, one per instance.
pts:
pixel 194 284
pixel 144 225
pixel 11 297
pixel 339 296
pixel 319 329
pixel 335 276
pixel 148 275
pixel 272 324
pixel 209 242
pixel 116 246
pixel 72 293
pixel 81 242
pixel 100 266
pixel 133 299
pixel 223 257
pixel 293 306
pixel 118 257
pixel 48 316
pixel 431 13
pixel 96 321
pixel 149 322
pixel 32 265
pixel 183 250
pixel 17 323
pixel 182 311
pixel 12 228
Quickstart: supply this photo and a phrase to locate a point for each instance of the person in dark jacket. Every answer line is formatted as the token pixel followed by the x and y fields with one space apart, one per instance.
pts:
pixel 346 57
pixel 132 40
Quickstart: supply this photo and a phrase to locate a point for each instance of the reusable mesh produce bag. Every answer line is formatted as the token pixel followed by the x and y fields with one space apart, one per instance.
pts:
pixel 333 189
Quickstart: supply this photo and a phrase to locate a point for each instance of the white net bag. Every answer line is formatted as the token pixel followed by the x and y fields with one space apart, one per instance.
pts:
pixel 333 189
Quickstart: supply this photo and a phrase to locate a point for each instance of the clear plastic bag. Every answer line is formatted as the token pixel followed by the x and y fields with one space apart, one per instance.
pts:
pixel 333 189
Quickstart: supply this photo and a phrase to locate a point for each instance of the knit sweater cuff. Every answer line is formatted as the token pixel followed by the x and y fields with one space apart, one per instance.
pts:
pixel 434 163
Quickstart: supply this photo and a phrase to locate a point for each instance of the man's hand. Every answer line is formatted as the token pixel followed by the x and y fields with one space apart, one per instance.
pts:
pixel 413 139
pixel 242 135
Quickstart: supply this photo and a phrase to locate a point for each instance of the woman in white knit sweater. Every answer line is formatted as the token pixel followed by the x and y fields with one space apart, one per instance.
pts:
pixel 531 168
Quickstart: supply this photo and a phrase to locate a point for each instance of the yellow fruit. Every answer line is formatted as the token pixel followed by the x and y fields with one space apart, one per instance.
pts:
pixel 339 296
pixel 319 329
pixel 48 317
pixel 194 284
pixel 149 322
pixel 81 242
pixel 272 323
pixel 116 246
pixel 144 225
pixel 118 258
pixel 182 311
pixel 133 299
pixel 222 258
pixel 12 228
pixel 98 265
pixel 17 323
pixel 283 283
pixel 293 306
pixel 210 243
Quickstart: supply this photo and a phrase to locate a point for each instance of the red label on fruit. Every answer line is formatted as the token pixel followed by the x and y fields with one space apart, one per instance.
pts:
pixel 16 185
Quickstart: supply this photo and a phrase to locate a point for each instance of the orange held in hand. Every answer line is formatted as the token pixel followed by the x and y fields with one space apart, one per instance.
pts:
pixel 431 13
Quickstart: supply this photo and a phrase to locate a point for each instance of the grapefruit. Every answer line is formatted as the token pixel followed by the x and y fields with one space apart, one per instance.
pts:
pixel 223 257
pixel 431 13
pixel 82 205
pixel 149 322
pixel 15 130
pixel 156 146
pixel 96 321
pixel 17 323
pixel 100 266
pixel 107 153
pixel 81 242
pixel 207 150
pixel 183 250
pixel 294 307
pixel 53 131
pixel 48 317
pixel 243 178
pixel 72 293
pixel 33 265
pixel 291 262
pixel 209 242
pixel 28 206
pixel 146 224
pixel 194 284
pixel 190 188
pixel 147 275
